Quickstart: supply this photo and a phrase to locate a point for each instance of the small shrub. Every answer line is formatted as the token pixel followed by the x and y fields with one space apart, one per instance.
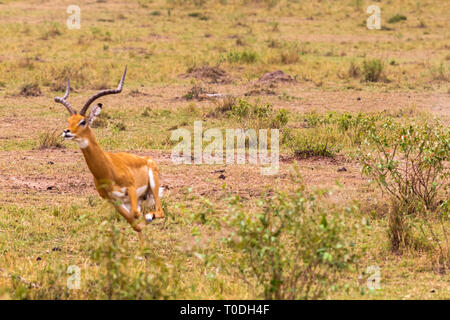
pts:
pixel 256 116
pixel 355 126
pixel 372 70
pixel 121 276
pixel 293 247
pixel 408 162
pixel 397 18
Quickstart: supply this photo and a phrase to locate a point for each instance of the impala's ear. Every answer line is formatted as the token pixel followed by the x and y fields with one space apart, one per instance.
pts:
pixel 95 111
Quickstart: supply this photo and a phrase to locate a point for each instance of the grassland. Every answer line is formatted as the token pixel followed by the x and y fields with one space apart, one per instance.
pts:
pixel 50 214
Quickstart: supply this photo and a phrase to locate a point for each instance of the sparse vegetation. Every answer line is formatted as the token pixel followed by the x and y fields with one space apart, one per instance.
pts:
pixel 245 57
pixel 397 18
pixel 314 143
pixel 286 226
pixel 30 90
pixel 50 139
pixel 408 162
pixel 336 94
pixel 257 116
pixel 373 70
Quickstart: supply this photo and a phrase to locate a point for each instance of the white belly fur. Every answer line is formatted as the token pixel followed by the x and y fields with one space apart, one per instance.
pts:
pixel 141 192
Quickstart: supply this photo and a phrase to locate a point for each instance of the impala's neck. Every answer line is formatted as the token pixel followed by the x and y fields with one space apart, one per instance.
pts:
pixel 95 157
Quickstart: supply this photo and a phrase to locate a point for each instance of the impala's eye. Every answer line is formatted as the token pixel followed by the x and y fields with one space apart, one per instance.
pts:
pixel 82 122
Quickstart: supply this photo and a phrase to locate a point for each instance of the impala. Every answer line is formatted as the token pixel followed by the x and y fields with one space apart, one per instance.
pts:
pixel 127 181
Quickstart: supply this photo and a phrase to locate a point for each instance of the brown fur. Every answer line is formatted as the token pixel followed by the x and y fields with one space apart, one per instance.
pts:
pixel 116 172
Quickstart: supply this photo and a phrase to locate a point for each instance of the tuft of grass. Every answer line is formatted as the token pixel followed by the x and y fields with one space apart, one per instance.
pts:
pixel 307 147
pixel 147 112
pixel 53 31
pixel 50 139
pixel 354 71
pixel 440 73
pixel 289 56
pixel 198 15
pixel 397 18
pixel 244 57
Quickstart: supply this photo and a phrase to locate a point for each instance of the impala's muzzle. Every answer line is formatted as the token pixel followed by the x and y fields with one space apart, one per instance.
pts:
pixel 67 135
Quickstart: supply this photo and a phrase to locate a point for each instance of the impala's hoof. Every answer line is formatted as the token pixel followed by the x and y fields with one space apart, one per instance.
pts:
pixel 148 217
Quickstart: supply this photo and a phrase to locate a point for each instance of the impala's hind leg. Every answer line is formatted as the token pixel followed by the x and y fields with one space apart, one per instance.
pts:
pixel 155 190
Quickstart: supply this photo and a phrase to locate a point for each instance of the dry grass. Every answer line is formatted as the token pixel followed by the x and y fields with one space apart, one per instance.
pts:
pixel 51 216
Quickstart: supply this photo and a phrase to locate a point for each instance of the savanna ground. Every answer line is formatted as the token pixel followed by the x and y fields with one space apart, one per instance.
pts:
pixel 176 51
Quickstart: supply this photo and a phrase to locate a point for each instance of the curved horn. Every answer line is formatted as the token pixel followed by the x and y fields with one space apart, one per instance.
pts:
pixel 104 93
pixel 63 101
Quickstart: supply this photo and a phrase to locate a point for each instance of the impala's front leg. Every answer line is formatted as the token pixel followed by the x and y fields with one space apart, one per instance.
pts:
pixel 133 202
pixel 130 211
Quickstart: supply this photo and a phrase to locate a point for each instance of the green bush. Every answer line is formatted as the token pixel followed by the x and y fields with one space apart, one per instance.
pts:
pixel 409 163
pixel 372 70
pixel 293 247
pixel 257 116
pixel 122 276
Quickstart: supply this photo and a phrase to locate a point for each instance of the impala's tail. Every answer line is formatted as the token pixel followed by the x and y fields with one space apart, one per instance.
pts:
pixel 153 181
pixel 153 177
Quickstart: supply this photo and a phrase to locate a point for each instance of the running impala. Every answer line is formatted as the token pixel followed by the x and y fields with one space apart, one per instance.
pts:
pixel 127 181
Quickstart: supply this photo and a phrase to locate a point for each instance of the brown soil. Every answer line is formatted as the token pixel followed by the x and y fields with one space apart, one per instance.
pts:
pixel 209 75
pixel 61 175
pixel 275 77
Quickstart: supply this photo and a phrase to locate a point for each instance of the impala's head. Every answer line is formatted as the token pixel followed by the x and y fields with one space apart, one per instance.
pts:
pixel 78 124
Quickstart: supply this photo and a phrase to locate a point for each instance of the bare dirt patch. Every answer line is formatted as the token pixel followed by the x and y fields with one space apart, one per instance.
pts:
pixel 208 74
pixel 276 77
